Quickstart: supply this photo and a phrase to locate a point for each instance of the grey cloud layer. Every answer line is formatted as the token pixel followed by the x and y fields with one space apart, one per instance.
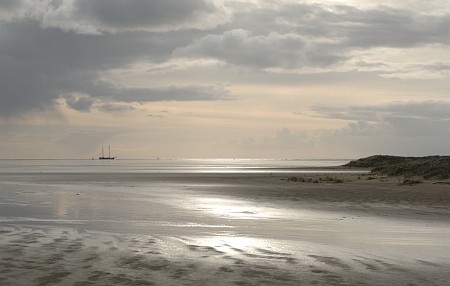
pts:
pixel 9 4
pixel 40 65
pixel 298 35
pixel 407 119
pixel 86 16
pixel 141 13
pixel 51 49
pixel 419 110
pixel 240 47
pixel 106 94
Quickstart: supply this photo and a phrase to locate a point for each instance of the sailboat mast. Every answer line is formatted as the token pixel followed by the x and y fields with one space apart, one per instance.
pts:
pixel 103 153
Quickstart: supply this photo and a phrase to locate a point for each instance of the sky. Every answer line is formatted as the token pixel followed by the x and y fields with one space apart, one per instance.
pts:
pixel 305 79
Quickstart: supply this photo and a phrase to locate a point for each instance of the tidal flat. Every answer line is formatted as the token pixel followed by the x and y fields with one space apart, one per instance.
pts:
pixel 221 228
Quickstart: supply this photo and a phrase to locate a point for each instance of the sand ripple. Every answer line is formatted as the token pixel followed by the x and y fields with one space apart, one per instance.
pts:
pixel 57 256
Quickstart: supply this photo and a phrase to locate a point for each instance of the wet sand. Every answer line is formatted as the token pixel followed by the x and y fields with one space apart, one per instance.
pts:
pixel 222 229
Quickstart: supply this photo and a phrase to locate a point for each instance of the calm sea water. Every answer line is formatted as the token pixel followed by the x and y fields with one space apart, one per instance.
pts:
pixel 165 166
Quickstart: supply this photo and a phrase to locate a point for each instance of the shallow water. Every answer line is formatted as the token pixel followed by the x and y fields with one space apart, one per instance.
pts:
pixel 165 166
pixel 126 228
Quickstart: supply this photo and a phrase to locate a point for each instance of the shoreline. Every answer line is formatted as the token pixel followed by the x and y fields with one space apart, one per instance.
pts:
pixel 315 180
pixel 360 191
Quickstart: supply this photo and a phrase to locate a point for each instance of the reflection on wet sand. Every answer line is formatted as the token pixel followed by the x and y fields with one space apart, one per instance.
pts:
pixel 233 209
pixel 226 230
pixel 234 244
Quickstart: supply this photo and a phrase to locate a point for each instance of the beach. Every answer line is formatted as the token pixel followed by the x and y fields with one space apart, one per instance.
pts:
pixel 275 226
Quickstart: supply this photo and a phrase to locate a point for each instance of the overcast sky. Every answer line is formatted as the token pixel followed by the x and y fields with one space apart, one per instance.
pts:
pixel 227 79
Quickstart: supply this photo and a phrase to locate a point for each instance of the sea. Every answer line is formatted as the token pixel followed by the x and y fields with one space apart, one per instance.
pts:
pixel 166 165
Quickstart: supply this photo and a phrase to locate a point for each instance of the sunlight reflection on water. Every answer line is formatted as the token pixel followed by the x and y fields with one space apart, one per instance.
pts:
pixel 170 166
pixel 229 244
pixel 235 209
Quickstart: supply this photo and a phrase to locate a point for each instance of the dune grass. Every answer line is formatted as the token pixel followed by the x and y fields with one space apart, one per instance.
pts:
pixel 429 167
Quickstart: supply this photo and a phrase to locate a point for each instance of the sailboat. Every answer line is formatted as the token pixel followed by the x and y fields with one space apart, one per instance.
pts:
pixel 102 157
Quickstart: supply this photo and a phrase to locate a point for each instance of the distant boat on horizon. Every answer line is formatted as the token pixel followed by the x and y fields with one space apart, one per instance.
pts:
pixel 102 157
